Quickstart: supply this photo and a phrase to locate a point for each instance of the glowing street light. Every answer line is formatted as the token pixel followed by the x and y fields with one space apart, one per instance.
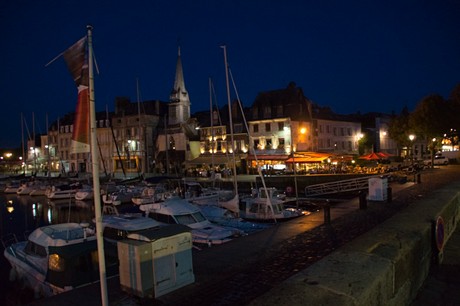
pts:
pixel 412 138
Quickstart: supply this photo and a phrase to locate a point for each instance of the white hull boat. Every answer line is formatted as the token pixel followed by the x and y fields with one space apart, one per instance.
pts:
pixel 266 206
pixel 65 191
pixel 49 261
pixel 176 210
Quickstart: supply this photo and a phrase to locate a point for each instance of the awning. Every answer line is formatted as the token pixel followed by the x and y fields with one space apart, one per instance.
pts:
pixel 306 159
pixel 268 157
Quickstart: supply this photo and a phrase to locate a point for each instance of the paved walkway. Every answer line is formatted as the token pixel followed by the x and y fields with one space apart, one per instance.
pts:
pixel 442 287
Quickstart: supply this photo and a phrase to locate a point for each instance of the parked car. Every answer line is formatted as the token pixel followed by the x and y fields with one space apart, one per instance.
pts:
pixel 438 160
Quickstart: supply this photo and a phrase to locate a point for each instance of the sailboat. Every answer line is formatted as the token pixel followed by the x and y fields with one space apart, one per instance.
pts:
pixel 264 206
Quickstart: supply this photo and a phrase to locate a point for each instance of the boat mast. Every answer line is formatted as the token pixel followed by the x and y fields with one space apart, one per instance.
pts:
pixel 230 118
pixel 211 113
pixel 95 169
pixel 139 154
pixel 269 202
pixel 24 165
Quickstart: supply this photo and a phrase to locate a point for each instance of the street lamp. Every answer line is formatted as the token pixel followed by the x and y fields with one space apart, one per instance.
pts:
pixel 412 138
pixel 433 148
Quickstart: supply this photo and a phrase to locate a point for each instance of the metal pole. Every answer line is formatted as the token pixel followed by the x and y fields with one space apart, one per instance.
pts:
pixel 95 169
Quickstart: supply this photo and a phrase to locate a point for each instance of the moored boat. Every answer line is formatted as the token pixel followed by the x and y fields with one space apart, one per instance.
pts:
pixel 267 206
pixel 122 195
pixel 176 210
pixel 64 191
pixel 55 258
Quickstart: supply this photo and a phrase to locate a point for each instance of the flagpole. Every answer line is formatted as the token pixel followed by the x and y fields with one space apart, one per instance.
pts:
pixel 95 170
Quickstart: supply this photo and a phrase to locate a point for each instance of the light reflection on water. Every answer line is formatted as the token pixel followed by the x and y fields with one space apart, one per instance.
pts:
pixel 20 215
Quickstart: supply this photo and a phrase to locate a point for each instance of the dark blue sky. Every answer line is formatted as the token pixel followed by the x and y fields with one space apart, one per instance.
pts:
pixel 350 55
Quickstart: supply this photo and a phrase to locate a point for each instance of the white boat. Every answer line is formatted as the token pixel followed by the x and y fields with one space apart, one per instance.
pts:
pixel 60 257
pixel 25 188
pixel 119 226
pixel 64 191
pixel 12 187
pixel 85 193
pixel 198 195
pixel 122 195
pixel 175 210
pixel 55 258
pixel 151 195
pixel 39 190
pixel 266 206
pixel 33 187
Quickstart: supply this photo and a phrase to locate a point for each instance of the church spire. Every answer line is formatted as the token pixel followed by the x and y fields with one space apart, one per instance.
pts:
pixel 179 83
pixel 179 108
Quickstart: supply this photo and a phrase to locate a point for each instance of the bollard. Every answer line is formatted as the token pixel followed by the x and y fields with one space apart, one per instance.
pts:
pixel 389 195
pixel 327 213
pixel 362 200
pixel 419 178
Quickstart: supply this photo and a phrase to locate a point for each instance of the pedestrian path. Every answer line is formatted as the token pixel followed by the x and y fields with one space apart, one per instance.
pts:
pixel 442 286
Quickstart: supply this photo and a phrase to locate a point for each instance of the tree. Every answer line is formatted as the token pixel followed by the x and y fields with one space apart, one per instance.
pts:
pixel 399 130
pixel 454 105
pixel 430 117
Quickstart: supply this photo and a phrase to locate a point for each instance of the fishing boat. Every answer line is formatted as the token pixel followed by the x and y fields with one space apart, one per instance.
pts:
pixel 175 210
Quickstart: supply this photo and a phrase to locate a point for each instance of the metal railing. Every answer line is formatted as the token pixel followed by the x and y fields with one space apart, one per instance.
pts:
pixel 356 184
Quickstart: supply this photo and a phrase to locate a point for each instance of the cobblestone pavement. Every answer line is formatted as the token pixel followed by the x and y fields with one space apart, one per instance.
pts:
pixel 255 277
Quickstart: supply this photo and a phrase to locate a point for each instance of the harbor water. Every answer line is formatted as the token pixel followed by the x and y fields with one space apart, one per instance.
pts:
pixel 20 215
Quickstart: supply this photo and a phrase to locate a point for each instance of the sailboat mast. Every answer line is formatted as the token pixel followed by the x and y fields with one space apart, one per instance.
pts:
pixel 139 168
pixel 230 118
pixel 212 128
pixel 24 165
pixel 95 169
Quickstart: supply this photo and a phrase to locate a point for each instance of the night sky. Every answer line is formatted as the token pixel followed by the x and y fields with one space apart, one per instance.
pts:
pixel 349 55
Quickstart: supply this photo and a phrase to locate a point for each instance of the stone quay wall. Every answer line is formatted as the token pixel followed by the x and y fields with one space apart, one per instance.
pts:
pixel 385 266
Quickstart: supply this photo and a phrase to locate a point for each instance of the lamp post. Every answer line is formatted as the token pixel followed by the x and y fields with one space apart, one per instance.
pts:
pixel 412 138
pixel 433 149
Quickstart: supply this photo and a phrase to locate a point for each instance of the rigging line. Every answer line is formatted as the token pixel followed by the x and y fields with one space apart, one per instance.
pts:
pixel 217 105
pixel 95 62
pixel 253 149
pixel 239 104
pixel 218 113
pixel 27 128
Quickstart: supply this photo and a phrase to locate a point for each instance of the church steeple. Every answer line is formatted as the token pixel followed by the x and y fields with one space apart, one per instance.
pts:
pixel 179 107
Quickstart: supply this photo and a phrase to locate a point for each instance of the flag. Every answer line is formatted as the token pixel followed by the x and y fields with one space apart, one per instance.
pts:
pixel 76 60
